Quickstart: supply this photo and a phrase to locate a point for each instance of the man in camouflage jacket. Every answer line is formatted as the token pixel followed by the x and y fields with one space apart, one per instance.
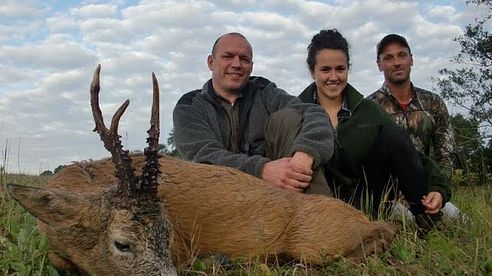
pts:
pixel 421 113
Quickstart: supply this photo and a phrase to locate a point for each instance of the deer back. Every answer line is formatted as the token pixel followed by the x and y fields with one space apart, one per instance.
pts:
pixel 221 210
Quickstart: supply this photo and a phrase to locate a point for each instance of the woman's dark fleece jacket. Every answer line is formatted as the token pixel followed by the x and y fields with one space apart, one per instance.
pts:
pixel 354 137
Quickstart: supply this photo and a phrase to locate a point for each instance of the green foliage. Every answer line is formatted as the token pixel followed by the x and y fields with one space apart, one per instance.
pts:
pixel 456 250
pixel 169 148
pixel 462 178
pixel 488 266
pixel 466 135
pixel 470 86
pixel 59 168
pixel 472 163
pixel 23 251
pixel 47 173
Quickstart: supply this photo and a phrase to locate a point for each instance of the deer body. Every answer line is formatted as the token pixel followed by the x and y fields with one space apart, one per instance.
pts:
pixel 224 211
pixel 121 216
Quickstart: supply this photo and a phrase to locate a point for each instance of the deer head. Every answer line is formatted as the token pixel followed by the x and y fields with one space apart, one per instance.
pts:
pixel 123 230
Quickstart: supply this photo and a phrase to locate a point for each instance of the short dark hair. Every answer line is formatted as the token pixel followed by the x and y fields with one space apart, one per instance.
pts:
pixel 391 38
pixel 326 39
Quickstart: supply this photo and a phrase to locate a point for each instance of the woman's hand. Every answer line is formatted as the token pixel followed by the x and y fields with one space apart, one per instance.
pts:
pixel 432 202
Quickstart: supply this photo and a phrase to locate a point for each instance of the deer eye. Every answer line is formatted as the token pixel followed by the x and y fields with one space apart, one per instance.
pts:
pixel 122 246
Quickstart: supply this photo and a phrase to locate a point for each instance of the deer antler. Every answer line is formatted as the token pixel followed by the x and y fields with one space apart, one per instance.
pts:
pixel 121 160
pixel 150 172
pixel 147 183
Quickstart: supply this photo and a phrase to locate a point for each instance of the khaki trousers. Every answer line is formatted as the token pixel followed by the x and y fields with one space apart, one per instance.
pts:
pixel 281 130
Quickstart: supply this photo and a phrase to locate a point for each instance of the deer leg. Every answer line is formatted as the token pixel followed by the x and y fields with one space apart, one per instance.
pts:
pixel 377 241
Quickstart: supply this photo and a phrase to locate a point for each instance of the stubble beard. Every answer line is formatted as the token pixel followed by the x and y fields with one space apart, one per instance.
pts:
pixel 399 80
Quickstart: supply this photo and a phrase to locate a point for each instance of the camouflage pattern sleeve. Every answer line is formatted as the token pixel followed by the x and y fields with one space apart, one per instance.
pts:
pixel 443 138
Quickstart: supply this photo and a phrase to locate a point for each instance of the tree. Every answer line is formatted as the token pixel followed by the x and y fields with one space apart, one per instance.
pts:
pixel 470 85
pixel 47 173
pixel 472 158
pixel 59 168
pixel 468 142
pixel 170 147
pixel 488 156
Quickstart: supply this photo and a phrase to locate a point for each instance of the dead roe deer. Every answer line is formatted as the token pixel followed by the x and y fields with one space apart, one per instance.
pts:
pixel 131 219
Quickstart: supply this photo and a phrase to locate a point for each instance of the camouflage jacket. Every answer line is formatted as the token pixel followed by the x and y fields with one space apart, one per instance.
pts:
pixel 426 120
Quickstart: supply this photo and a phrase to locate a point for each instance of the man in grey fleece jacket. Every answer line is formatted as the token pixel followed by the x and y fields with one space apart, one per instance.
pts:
pixel 248 123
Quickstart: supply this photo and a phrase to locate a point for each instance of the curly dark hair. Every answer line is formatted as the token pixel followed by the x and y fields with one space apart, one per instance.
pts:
pixel 326 39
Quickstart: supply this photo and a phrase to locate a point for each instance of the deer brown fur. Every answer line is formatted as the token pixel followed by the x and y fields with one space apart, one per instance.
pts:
pixel 212 210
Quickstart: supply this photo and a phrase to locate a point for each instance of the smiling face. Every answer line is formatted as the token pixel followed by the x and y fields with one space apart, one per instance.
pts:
pixel 231 64
pixel 330 74
pixel 395 61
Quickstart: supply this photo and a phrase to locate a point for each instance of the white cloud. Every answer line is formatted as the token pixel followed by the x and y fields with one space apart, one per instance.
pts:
pixel 56 52
pixel 20 9
pixel 49 49
pixel 441 13
pixel 62 24
pixel 94 10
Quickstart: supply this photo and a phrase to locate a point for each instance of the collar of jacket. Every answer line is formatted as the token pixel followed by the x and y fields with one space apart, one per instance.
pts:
pixel 245 102
pixel 208 92
pixel 351 95
pixel 386 91
pixel 254 83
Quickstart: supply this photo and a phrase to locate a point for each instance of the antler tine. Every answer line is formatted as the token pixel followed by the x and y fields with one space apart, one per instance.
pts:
pixel 154 130
pixel 110 138
pixel 151 170
pixel 96 111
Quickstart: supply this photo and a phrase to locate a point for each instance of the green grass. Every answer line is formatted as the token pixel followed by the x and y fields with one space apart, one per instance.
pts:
pixel 456 250
pixel 22 249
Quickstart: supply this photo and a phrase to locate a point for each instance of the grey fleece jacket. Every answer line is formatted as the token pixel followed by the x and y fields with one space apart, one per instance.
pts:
pixel 201 127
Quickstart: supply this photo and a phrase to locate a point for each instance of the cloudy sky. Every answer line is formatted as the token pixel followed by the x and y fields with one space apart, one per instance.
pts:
pixel 49 50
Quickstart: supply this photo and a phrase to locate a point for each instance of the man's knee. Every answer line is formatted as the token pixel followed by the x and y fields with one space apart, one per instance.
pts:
pixel 319 184
pixel 281 129
pixel 284 120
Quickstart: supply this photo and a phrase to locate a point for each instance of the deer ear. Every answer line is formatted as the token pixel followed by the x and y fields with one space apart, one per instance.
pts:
pixel 51 207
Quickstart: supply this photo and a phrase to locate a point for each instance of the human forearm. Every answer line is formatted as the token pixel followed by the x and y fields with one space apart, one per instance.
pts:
pixel 302 160
pixel 316 135
pixel 436 180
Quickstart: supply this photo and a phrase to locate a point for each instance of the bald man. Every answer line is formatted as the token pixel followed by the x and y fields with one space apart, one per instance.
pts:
pixel 248 123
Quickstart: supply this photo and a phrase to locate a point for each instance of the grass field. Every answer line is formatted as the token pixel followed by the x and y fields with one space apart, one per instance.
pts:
pixel 458 249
